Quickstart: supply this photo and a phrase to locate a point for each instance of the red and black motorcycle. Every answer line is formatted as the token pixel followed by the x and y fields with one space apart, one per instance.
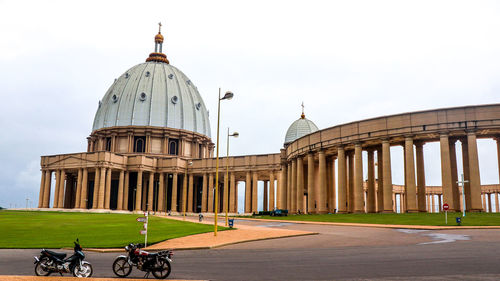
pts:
pixel 156 263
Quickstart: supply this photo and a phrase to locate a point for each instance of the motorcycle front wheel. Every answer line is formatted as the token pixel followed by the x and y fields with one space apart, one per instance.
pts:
pixel 121 267
pixel 41 267
pixel 162 268
pixel 85 270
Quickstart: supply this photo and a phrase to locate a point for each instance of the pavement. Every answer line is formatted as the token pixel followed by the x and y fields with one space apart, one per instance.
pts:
pixel 252 230
pixel 58 278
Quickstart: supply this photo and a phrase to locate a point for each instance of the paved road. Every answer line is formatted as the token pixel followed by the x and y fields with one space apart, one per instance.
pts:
pixel 350 253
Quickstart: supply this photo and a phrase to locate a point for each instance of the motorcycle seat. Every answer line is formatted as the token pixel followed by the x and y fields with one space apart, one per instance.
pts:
pixel 57 255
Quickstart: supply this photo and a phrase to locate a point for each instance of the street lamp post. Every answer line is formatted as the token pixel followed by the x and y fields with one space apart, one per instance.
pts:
pixel 229 95
pixel 462 183
pixel 235 134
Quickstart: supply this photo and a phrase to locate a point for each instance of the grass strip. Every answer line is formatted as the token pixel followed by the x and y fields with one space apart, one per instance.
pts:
pixel 34 229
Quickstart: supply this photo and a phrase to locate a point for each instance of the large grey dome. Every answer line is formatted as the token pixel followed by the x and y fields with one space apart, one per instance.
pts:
pixel 300 128
pixel 153 94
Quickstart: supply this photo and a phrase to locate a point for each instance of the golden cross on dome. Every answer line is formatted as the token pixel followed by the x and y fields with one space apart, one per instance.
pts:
pixel 303 115
pixel 159 27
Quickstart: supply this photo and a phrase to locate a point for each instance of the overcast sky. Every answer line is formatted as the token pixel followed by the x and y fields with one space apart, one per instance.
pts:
pixel 346 60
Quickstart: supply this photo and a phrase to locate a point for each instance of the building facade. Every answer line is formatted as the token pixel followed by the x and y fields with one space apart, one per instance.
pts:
pixel 150 149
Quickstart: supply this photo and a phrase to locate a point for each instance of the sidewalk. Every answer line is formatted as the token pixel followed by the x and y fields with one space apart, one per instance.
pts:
pixel 58 278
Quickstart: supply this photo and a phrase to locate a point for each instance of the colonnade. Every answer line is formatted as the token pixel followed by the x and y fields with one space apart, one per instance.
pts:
pixel 107 188
pixel 317 185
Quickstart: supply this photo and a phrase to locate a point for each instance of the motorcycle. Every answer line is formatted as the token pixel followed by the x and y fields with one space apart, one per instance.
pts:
pixel 156 263
pixel 50 261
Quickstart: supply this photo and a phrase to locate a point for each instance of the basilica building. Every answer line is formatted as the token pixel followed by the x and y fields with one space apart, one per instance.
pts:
pixel 150 149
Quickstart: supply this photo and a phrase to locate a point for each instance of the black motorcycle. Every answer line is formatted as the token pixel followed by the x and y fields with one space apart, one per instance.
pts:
pixel 50 262
pixel 156 263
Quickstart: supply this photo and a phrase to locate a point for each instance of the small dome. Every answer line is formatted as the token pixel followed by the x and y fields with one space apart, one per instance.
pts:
pixel 300 128
pixel 153 94
pixel 159 38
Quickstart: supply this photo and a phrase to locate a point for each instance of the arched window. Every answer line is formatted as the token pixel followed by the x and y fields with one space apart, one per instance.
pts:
pixel 139 144
pixel 173 147
pixel 108 144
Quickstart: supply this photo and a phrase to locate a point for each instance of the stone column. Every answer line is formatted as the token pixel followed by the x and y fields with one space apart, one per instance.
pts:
pixel 358 179
pixel 84 194
pixel 55 204
pixel 60 201
pixel 350 183
pixel 78 198
pixel 282 186
pixel 379 182
pixel 496 202
pixel 119 201
pixel 271 191
pixel 293 197
pixel 370 196
pixel 394 209
pixel 204 194
pixel 265 200
pixel 46 193
pixel 95 199
pixel 248 193
pixel 184 193
pixel 490 209
pixel 233 188
pixel 446 171
pixel 289 186
pixel 410 188
pixel 151 181
pixel 495 198
pixel 322 184
pixel 255 181
pixel 225 199
pixel 102 189
pixel 311 196
pixel 419 148
pixel 190 207
pixel 108 189
pixel 173 203
pixel 475 180
pixel 68 192
pixel 161 193
pixel 126 190
pixel 210 202
pixel 42 190
pixel 332 196
pixel 387 176
pixel 342 181
pixel 138 192
pixel 300 185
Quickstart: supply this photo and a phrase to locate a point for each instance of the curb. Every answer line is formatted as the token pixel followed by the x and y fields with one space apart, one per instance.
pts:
pixel 58 278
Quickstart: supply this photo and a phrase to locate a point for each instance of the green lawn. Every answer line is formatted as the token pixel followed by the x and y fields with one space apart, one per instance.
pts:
pixel 24 229
pixel 471 219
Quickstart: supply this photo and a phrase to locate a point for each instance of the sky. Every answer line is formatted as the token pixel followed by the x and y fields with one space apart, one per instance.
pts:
pixel 346 60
